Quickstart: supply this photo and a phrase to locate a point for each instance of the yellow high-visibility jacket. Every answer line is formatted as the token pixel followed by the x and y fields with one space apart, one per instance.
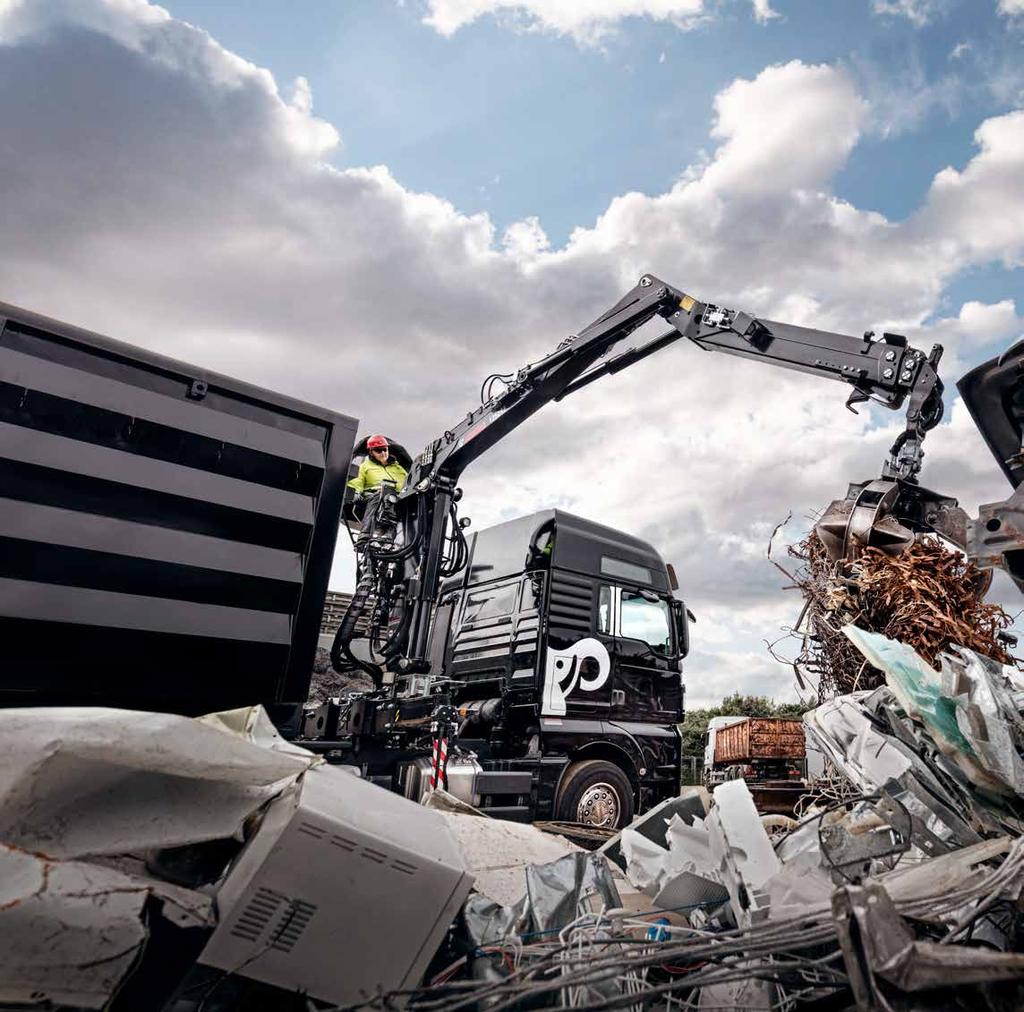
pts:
pixel 371 474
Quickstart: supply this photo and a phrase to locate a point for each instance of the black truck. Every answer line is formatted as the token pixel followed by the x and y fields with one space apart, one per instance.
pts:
pixel 561 646
pixel 166 536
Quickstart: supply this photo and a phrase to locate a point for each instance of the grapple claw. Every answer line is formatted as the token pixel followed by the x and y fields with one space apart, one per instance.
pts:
pixel 888 514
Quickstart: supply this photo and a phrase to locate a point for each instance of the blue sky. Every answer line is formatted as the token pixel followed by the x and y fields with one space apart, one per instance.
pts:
pixel 520 123
pixel 854 165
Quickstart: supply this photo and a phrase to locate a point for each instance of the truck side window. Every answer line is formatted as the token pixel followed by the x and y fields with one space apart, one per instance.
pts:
pixel 491 603
pixel 648 621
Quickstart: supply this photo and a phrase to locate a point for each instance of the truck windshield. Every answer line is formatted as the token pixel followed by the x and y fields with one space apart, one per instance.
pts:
pixel 645 620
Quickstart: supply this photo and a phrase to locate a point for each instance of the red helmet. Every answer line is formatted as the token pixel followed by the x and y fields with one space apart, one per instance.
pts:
pixel 377 443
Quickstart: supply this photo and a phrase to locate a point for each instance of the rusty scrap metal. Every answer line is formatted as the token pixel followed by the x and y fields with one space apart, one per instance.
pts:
pixel 760 738
pixel 929 597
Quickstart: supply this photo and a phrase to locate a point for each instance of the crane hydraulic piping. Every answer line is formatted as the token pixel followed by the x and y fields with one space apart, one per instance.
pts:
pixel 412 540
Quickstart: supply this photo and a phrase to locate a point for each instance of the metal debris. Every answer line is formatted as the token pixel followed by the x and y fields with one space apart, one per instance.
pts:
pixel 928 597
pixel 901 890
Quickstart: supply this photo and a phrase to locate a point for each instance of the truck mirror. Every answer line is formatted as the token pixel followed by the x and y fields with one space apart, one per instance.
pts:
pixel 681 612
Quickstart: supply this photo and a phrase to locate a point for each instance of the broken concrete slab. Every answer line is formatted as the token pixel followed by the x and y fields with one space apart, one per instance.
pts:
pixel 496 853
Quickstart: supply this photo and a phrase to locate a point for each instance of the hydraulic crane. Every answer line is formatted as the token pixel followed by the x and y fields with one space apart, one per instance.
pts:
pixel 413 540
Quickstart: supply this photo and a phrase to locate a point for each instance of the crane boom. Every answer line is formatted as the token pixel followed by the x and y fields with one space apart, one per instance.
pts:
pixel 406 572
pixel 886 370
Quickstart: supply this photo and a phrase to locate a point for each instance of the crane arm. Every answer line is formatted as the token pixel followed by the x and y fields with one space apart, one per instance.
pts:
pixel 885 370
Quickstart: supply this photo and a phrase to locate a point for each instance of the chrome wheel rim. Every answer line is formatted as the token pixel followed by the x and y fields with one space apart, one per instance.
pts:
pixel 599 806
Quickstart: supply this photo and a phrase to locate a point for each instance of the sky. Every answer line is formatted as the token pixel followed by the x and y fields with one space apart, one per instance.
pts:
pixel 373 204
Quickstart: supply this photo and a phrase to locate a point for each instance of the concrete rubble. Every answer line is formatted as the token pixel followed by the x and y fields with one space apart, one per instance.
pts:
pixel 263 875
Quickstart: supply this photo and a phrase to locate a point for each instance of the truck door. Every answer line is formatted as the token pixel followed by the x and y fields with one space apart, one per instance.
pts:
pixel 646 684
pixel 576 668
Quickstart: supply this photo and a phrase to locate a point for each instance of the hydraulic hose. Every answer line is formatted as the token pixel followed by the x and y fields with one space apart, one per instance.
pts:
pixel 341 648
pixel 397 642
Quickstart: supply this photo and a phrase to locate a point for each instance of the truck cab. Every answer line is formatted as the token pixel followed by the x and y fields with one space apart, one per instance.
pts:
pixel 560 643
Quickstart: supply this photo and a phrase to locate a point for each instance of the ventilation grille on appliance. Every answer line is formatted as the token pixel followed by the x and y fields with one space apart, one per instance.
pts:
pixel 352 847
pixel 272 917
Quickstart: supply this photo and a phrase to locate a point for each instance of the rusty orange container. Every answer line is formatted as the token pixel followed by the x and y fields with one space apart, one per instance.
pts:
pixel 760 738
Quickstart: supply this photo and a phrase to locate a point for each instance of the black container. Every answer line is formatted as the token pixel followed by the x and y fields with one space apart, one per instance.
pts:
pixel 166 534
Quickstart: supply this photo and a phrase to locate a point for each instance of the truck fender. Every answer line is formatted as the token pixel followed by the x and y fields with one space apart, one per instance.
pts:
pixel 613 752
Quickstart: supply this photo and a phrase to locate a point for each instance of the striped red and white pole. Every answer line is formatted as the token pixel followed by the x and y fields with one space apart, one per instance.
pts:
pixel 434 764
pixel 440 763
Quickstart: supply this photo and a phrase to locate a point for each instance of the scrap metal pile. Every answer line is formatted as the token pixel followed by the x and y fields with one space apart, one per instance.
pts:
pixel 927 596
pixel 252 876
pixel 906 894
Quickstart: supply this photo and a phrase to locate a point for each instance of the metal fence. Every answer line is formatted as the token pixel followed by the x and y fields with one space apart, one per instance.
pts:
pixel 335 606
pixel 692 769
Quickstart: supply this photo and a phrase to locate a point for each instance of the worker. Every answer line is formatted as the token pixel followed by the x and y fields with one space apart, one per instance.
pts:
pixel 380 466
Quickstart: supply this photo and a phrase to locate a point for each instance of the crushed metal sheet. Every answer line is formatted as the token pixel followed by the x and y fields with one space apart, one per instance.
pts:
pixel 683 875
pixel 78 781
pixel 918 689
pixel 691 803
pixel 558 892
pixel 848 730
pixel 851 741
pixel 988 713
pixel 442 801
pixel 745 859
pixel 883 945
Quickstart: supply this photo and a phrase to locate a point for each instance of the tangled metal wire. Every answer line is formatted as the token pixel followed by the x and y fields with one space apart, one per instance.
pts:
pixel 623 962
pixel 830 789
pixel 928 597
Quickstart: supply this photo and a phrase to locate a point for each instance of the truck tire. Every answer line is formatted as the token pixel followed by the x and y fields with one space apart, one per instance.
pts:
pixel 596 793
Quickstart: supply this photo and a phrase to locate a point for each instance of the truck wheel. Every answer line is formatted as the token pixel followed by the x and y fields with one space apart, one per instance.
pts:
pixel 596 793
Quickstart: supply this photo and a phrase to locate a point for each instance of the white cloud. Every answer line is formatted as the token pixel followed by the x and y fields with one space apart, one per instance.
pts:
pixel 1011 8
pixel 763 11
pixel 990 322
pixel 978 213
pixel 917 12
pixel 163 191
pixel 587 21
pixel 762 123
pixel 901 98
pixel 525 239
